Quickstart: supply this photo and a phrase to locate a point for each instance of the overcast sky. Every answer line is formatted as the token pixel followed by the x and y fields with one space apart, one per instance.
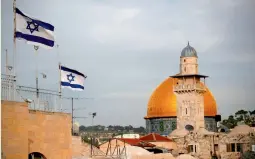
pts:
pixel 127 48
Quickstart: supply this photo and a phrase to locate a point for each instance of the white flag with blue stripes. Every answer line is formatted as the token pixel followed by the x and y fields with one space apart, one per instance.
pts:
pixel 72 79
pixel 34 31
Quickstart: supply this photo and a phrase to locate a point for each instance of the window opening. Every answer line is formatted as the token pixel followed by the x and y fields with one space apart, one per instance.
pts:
pixel 238 147
pixel 233 147
pixel 216 147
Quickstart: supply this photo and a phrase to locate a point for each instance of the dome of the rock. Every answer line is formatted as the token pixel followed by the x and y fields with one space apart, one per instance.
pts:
pixel 162 109
pixel 186 88
pixel 162 102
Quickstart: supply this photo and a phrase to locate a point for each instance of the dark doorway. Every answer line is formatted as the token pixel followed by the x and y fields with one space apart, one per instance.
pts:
pixel 36 155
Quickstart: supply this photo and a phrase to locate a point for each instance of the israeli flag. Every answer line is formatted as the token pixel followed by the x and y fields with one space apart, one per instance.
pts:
pixel 34 31
pixel 72 79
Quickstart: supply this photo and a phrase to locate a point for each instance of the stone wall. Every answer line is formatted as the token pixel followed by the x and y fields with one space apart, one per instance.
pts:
pixel 190 110
pixel 188 65
pixel 50 134
pixel 224 139
pixel 206 144
pixel 25 132
pixel 14 130
pixel 79 149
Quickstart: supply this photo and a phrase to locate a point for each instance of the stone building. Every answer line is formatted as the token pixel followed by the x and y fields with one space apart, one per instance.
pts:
pixel 203 144
pixel 183 108
pixel 182 98
pixel 189 91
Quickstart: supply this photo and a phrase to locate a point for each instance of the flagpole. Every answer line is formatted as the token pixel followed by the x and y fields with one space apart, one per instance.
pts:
pixel 36 79
pixel 6 62
pixel 14 49
pixel 60 89
pixel 8 76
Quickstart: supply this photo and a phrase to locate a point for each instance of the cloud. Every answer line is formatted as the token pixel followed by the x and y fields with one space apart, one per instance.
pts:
pixel 126 95
pixel 128 48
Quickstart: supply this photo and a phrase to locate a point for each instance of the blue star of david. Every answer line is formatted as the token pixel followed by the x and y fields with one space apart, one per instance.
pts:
pixel 70 77
pixel 32 26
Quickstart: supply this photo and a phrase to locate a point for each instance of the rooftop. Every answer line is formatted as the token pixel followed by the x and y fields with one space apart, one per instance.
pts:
pixel 153 137
pixel 136 142
pixel 189 51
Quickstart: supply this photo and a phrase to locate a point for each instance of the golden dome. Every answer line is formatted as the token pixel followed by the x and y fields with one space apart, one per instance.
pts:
pixel 162 102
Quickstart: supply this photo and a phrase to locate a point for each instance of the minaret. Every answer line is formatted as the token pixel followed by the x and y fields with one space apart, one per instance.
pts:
pixel 188 61
pixel 189 91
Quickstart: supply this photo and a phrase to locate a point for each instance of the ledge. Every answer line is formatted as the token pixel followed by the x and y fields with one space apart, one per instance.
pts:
pixel 189 75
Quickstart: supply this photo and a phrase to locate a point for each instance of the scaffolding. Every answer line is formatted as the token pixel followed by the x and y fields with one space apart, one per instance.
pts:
pixel 117 153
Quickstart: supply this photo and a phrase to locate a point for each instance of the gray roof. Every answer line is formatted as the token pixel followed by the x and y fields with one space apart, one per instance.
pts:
pixel 189 51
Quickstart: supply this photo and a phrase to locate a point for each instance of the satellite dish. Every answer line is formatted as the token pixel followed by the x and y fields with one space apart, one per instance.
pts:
pixel 189 127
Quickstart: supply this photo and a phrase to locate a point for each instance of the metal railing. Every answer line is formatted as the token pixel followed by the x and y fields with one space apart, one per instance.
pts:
pixel 8 90
pixel 41 99
pixel 186 87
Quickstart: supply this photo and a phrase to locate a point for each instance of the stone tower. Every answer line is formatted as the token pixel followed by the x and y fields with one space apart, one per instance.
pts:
pixel 189 91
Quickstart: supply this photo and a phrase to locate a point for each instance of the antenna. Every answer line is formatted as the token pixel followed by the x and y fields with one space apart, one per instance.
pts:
pixel 74 117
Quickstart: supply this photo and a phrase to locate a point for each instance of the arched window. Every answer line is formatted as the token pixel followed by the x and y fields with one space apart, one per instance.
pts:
pixel 36 155
pixel 184 69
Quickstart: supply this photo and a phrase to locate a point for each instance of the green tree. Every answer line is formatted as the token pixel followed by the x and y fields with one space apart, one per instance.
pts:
pixel 248 155
pixel 247 117
pixel 241 115
pixel 231 122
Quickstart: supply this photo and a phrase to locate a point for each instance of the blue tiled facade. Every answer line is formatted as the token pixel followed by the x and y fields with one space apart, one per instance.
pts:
pixel 210 124
pixel 164 126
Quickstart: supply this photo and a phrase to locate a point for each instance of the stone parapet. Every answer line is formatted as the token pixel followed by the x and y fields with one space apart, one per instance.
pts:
pixel 14 137
pixel 27 131
pixel 189 87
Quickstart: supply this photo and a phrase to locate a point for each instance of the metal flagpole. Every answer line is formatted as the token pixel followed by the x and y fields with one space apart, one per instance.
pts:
pixel 6 62
pixel 37 88
pixel 14 49
pixel 60 89
pixel 8 76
